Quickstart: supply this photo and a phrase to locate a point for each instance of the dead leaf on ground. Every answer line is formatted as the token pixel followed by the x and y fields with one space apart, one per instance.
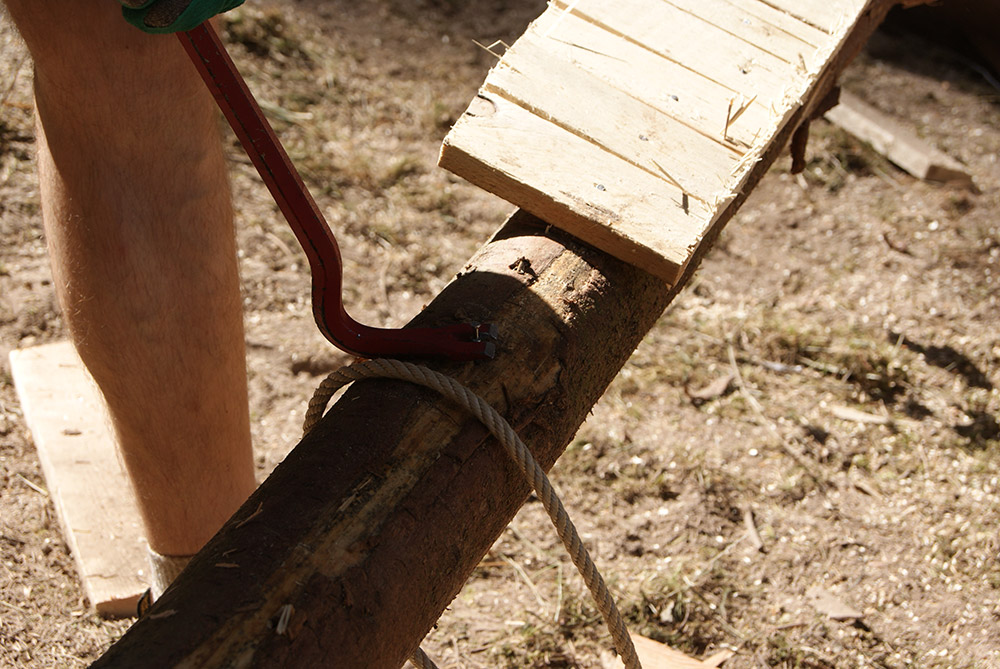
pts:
pixel 655 655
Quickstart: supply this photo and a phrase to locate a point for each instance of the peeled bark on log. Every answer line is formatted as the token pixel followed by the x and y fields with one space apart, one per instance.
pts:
pixel 375 520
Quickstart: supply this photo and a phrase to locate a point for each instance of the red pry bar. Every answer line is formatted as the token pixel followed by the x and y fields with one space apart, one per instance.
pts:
pixel 462 341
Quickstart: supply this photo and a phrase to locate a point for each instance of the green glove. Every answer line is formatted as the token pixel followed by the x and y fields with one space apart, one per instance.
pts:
pixel 171 16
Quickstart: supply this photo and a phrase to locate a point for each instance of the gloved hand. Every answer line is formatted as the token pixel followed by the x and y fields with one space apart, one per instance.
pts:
pixel 171 16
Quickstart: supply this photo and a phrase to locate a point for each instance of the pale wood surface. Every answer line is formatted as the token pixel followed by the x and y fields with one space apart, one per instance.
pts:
pixel 628 202
pixel 96 509
pixel 668 86
pixel 827 15
pixel 776 17
pixel 633 124
pixel 896 142
pixel 655 655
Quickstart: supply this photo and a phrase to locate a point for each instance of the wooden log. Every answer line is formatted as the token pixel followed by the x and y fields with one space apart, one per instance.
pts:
pixel 372 524
pixel 370 527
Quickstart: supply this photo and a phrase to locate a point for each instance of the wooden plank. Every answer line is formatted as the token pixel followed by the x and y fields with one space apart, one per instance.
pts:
pixel 630 93
pixel 654 145
pixel 510 151
pixel 678 91
pixel 91 494
pixel 897 143
pixel 827 15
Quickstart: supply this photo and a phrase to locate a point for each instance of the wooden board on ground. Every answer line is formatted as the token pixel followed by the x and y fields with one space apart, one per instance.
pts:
pixel 634 124
pixel 66 415
pixel 898 144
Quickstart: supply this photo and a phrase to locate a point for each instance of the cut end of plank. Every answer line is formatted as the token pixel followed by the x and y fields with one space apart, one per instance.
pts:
pixel 600 222
pixel 93 499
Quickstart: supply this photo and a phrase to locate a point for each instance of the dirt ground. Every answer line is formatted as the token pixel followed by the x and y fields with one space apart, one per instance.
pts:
pixel 854 308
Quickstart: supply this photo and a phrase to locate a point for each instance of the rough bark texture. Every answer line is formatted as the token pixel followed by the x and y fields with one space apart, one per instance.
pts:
pixel 372 524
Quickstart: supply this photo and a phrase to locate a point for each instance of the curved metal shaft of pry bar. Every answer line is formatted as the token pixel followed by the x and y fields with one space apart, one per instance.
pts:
pixel 459 342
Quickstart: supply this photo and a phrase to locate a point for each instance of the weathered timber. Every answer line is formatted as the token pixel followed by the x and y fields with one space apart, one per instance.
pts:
pixel 372 524
pixel 899 144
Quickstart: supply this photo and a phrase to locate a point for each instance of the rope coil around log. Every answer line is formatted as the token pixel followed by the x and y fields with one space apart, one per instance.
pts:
pixel 501 429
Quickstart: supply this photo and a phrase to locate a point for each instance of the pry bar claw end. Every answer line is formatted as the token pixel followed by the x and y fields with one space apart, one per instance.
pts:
pixel 461 341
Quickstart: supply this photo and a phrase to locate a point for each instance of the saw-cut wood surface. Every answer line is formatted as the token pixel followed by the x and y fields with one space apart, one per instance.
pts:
pixel 633 124
pixel 83 474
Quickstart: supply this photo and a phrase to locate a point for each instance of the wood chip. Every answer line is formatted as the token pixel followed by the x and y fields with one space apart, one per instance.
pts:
pixel 751 527
pixel 829 605
pixel 716 388
pixel 856 416
pixel 717 659
pixel 865 487
pixel 656 655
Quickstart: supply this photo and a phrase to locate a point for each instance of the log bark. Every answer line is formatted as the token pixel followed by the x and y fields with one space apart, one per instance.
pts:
pixel 373 523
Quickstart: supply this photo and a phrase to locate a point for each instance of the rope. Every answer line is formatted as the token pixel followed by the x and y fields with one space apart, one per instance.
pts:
pixel 501 429
pixel 420 660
